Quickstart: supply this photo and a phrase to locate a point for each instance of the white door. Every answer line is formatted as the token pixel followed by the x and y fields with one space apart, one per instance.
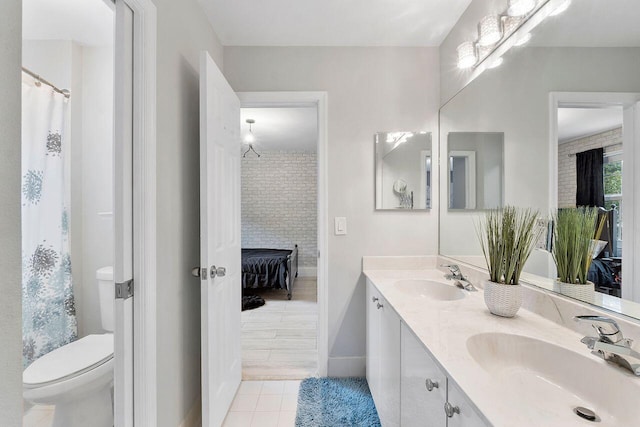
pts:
pixel 123 214
pixel 219 242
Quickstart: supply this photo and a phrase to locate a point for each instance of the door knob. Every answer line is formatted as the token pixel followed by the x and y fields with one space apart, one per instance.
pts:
pixel 218 272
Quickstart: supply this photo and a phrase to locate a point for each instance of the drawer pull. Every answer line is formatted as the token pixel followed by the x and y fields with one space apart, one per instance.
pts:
pixel 451 410
pixel 431 384
pixel 374 299
pixel 379 306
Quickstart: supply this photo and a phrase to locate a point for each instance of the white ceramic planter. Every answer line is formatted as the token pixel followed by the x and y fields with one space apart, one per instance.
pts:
pixel 502 300
pixel 584 292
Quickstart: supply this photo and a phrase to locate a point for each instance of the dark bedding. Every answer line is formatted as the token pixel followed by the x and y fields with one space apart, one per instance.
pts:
pixel 264 268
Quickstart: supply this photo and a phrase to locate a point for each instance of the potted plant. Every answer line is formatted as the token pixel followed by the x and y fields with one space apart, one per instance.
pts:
pixel 575 239
pixel 507 237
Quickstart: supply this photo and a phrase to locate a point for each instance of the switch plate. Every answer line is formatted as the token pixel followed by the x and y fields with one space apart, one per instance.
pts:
pixel 340 226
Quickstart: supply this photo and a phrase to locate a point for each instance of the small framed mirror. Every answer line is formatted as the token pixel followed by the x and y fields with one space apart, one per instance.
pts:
pixel 476 170
pixel 403 170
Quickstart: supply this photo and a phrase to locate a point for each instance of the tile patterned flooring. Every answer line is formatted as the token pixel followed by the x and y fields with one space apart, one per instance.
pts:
pixel 279 339
pixel 264 404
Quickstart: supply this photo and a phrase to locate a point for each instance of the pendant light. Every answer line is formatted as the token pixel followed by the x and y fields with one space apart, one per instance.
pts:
pixel 250 139
pixel 489 30
pixel 467 55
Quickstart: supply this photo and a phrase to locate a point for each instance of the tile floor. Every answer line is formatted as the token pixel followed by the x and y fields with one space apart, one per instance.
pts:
pixel 264 404
pixel 279 339
pixel 38 416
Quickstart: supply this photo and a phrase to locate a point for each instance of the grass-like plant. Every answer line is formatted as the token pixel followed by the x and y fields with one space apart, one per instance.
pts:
pixel 507 237
pixel 573 242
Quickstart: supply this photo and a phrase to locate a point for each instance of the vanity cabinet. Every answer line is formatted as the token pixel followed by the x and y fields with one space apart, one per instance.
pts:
pixel 426 392
pixel 423 385
pixel 383 357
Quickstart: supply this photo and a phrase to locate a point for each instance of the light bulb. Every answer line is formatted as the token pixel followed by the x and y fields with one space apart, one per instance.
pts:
pixel 249 138
pixel 522 40
pixel 563 6
pixel 466 55
pixel 520 7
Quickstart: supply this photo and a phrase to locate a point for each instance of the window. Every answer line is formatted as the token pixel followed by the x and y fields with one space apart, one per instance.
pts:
pixel 613 196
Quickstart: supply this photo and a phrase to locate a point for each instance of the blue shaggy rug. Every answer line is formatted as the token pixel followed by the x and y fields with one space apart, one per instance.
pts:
pixel 335 402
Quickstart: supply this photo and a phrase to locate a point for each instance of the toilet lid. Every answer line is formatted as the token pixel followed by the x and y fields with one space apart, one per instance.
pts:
pixel 70 360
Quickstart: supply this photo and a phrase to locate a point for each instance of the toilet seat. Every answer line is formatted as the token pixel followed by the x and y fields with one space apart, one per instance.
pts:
pixel 69 361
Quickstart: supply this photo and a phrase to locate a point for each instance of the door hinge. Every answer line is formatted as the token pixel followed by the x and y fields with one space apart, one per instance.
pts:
pixel 124 290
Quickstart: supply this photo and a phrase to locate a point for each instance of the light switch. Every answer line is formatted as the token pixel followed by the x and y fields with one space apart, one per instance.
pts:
pixel 341 225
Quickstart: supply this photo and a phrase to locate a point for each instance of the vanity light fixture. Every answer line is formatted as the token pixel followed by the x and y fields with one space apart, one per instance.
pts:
pixel 489 30
pixel 467 57
pixel 520 7
pixel 563 6
pixel 523 40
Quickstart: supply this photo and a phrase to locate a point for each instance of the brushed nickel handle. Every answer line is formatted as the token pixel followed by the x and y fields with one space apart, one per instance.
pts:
pixel 379 306
pixel 374 299
pixel 430 384
pixel 451 410
pixel 218 271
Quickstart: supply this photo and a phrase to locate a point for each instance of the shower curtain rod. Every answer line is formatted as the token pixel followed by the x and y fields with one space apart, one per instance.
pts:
pixel 39 79
pixel 604 146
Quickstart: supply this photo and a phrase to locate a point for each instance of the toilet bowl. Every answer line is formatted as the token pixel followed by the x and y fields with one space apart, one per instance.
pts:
pixel 78 377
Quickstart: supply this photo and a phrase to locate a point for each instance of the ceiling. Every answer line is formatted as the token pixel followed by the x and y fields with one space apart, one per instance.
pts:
pixel 282 129
pixel 592 23
pixel 580 122
pixel 333 22
pixel 87 22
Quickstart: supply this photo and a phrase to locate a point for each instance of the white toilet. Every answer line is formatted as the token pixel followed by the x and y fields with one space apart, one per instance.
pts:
pixel 78 378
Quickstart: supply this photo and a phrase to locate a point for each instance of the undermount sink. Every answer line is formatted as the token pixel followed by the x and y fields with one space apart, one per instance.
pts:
pixel 430 289
pixel 550 380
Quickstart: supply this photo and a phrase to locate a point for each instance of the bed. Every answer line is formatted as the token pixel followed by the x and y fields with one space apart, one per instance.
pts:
pixel 269 268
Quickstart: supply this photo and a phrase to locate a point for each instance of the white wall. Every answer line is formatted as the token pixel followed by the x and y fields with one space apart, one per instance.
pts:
pixel 88 73
pixel 280 203
pixel 369 90
pixel 10 248
pixel 183 32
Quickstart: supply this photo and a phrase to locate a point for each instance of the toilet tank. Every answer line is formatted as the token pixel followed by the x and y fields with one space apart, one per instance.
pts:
pixel 106 292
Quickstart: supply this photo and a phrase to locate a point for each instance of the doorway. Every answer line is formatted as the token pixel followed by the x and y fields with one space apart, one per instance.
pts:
pixel 279 176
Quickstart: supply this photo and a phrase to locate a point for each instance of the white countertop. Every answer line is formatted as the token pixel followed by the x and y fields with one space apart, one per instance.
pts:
pixel 444 327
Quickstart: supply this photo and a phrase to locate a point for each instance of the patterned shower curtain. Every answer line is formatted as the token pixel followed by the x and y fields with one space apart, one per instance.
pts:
pixel 48 310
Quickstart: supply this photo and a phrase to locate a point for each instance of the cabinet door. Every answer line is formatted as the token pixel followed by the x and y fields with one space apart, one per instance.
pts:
pixel 389 408
pixel 419 406
pixel 467 416
pixel 373 342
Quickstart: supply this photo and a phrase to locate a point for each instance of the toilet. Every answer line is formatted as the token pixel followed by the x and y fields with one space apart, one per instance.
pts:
pixel 78 377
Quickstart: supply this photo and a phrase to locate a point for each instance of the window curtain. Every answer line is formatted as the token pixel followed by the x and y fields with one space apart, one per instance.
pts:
pixel 590 178
pixel 48 308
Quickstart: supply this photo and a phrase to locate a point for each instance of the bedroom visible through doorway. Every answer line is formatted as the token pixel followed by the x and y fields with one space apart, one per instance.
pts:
pixel 279 242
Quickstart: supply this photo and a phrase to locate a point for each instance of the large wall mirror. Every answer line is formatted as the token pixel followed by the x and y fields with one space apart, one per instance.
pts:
pixel 403 170
pixel 566 106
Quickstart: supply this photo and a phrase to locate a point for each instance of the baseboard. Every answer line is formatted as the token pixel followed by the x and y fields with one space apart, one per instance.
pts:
pixel 194 417
pixel 307 271
pixel 347 366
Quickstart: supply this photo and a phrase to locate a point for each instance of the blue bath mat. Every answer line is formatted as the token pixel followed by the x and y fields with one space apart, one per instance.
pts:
pixel 336 402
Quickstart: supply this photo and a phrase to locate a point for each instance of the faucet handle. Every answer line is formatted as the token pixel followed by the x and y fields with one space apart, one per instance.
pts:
pixel 607 328
pixel 453 268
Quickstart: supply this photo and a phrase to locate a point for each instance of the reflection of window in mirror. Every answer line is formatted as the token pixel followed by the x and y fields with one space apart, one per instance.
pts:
pixel 590 166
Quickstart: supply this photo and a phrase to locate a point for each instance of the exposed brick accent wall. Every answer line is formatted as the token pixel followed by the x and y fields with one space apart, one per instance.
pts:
pixel 567 164
pixel 279 202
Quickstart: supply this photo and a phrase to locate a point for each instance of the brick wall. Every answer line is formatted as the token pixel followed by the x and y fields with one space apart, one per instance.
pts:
pixel 567 164
pixel 279 202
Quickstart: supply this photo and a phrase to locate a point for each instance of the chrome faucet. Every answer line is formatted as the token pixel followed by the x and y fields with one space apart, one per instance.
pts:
pixel 461 281
pixel 610 343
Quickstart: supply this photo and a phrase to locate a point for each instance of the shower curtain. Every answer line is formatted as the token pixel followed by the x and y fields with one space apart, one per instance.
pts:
pixel 48 310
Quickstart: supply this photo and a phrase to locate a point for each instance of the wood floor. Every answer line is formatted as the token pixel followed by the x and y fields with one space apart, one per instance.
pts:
pixel 279 339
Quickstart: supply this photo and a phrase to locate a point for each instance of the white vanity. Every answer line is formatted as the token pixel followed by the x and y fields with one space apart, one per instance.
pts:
pixel 437 357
